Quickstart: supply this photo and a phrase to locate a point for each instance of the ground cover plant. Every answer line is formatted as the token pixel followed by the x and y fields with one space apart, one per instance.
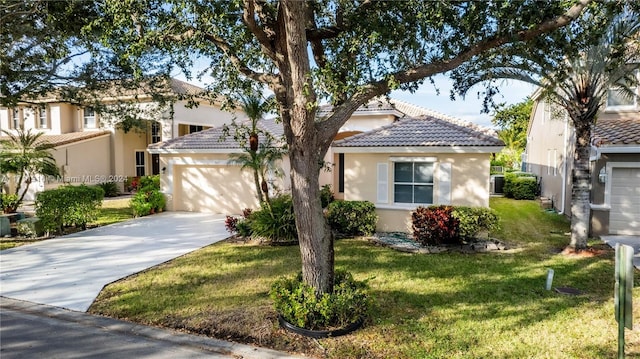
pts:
pixel 449 305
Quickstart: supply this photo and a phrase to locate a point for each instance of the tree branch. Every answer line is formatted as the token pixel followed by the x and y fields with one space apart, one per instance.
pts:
pixel 367 92
pixel 249 19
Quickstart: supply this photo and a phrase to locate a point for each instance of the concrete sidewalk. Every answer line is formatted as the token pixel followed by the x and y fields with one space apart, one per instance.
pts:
pixel 633 241
pixel 70 271
pixel 32 330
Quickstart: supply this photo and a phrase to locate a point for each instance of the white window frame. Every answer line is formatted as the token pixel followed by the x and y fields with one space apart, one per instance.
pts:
pixel 142 165
pixel 86 118
pixel 634 101
pixel 43 114
pixel 15 118
pixel 413 183
pixel 156 132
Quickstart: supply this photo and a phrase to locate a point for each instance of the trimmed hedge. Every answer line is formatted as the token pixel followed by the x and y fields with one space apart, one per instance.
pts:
pixel 436 225
pixel 521 185
pixel 68 206
pixel 352 218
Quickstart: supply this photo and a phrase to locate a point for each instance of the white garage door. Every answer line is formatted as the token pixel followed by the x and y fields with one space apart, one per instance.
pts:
pixel 214 189
pixel 624 217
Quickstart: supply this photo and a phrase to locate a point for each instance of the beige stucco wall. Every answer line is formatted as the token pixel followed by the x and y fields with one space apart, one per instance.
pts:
pixel 208 183
pixel 469 183
pixel 204 115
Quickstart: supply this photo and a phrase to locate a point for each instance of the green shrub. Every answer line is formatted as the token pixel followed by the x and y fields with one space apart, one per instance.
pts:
pixel 147 183
pixel 352 218
pixel 146 202
pixel 472 220
pixel 326 195
pixel 8 202
pixel 520 185
pixel 277 227
pixel 30 227
pixel 110 189
pixel 435 225
pixel 299 305
pixel 148 198
pixel 68 206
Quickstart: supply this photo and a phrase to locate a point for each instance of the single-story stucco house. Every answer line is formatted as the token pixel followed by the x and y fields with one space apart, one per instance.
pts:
pixel 393 154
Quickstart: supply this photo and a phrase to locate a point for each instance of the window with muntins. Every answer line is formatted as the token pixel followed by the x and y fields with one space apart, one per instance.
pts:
pixel 42 116
pixel 15 118
pixel 155 132
pixel 413 182
pixel 617 98
pixel 139 163
pixel 89 117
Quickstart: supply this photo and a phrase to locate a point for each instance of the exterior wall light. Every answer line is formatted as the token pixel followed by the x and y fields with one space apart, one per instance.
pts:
pixel 602 176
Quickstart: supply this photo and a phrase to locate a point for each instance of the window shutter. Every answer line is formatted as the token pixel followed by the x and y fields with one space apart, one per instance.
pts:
pixel 444 183
pixel 383 183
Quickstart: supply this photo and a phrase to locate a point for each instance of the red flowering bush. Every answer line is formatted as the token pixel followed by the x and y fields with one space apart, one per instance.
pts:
pixel 435 225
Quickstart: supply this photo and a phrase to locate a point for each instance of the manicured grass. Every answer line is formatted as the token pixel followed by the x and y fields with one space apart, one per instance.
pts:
pixel 112 211
pixel 453 305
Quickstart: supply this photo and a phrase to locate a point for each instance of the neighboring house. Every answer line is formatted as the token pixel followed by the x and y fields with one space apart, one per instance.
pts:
pixel 615 162
pixel 91 148
pixel 394 154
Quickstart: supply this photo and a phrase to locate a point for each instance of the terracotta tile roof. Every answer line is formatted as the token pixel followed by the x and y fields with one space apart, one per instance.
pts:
pixel 67 138
pixel 404 109
pixel 617 132
pixel 425 131
pixel 214 138
pixel 412 110
pixel 376 105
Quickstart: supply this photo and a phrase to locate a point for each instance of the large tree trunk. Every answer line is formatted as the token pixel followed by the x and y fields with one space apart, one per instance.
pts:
pixel 581 186
pixel 306 149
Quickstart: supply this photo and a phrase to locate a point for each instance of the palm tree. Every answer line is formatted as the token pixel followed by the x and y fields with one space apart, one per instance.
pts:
pixel 579 84
pixel 25 155
pixel 258 157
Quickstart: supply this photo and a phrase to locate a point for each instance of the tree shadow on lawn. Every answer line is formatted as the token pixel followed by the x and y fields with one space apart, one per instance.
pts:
pixel 413 292
pixel 479 286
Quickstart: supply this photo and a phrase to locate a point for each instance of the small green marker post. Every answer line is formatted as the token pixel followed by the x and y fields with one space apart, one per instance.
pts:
pixel 623 292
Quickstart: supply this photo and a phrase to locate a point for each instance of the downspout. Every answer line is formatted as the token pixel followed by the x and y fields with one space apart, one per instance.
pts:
pixel 566 165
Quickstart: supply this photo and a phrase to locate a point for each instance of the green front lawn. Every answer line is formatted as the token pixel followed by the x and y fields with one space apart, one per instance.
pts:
pixel 452 305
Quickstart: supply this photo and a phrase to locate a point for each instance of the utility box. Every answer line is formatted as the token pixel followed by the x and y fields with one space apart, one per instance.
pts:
pixel 497 184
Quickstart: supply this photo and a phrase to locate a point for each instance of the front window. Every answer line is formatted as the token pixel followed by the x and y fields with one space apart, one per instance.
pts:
pixel 15 118
pixel 155 132
pixel 42 116
pixel 619 99
pixel 89 117
pixel 413 182
pixel 195 128
pixel 139 163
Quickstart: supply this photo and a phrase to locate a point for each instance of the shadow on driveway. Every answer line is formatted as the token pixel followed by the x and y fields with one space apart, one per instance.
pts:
pixel 70 271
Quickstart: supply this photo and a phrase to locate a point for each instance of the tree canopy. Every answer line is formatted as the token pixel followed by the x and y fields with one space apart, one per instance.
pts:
pixel 332 51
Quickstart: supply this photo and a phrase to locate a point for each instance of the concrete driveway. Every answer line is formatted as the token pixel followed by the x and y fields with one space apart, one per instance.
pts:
pixel 70 271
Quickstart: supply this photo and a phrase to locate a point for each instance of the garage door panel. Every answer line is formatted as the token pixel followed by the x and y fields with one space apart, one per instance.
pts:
pixel 213 189
pixel 624 217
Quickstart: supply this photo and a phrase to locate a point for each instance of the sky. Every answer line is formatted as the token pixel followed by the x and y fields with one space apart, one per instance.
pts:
pixel 467 109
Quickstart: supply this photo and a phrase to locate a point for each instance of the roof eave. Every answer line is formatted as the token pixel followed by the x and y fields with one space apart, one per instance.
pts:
pixel 419 149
